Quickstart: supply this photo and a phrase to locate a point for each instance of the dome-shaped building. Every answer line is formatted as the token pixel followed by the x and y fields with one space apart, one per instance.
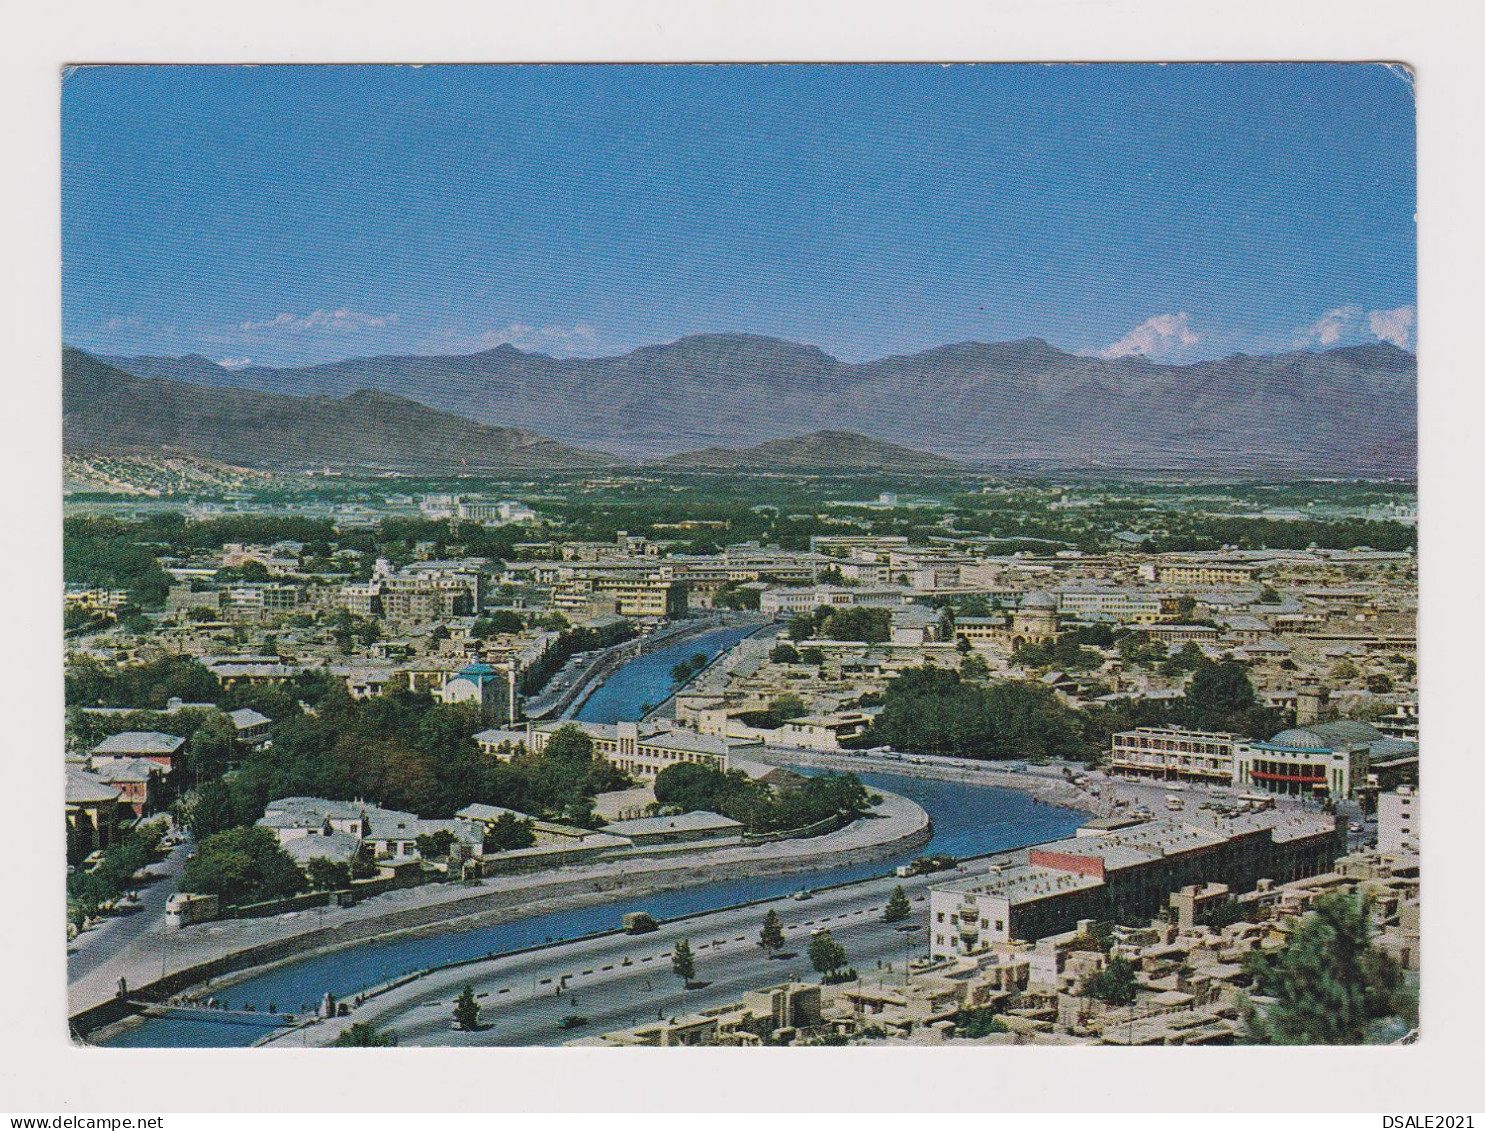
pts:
pixel 1035 620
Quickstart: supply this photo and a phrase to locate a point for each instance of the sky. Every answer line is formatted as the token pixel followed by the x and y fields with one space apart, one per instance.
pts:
pixel 294 215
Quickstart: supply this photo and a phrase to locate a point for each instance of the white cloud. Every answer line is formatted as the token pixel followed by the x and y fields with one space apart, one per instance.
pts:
pixel 1350 323
pixel 332 320
pixel 1327 330
pixel 234 362
pixel 1154 336
pixel 130 322
pixel 578 338
pixel 1395 326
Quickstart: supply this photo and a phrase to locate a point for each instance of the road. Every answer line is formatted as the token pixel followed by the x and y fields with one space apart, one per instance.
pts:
pixel 618 981
pixel 112 942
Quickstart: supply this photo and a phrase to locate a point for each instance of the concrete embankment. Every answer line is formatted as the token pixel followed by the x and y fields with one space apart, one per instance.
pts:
pixel 1046 787
pixel 897 824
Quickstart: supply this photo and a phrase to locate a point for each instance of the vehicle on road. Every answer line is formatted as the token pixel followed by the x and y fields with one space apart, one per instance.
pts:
pixel 572 1021
pixel 803 893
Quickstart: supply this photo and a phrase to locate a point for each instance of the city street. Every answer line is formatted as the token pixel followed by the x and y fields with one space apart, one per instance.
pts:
pixel 143 925
pixel 622 980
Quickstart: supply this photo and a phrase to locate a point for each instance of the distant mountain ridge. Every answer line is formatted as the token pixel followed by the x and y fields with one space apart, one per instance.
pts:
pixel 1336 411
pixel 825 450
pixel 106 409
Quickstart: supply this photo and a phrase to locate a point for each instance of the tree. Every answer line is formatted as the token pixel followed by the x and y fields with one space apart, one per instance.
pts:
pixel 826 955
pixel 771 937
pixel 787 706
pixel 1330 984
pixel 363 1035
pixel 1115 983
pixel 509 831
pixel 467 1010
pixel 898 908
pixel 783 654
pixel 242 866
pixel 974 666
pixel 1218 694
pixel 435 845
pixel 80 838
pixel 801 627
pixel 328 875
pixel 683 962
pixel 813 655
pixel 870 626
pixel 1379 683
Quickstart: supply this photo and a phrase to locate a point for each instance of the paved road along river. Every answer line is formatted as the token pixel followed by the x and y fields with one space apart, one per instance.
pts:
pixel 968 820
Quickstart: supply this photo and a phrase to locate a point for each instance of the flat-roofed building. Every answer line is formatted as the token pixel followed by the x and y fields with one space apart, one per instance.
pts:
pixel 1124 606
pixel 1174 753
pixel 1205 573
pixel 644 753
pixel 682 828
pixel 1125 875
pixel 1397 822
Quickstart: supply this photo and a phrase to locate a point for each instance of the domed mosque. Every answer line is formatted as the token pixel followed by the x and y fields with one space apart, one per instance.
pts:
pixel 1035 620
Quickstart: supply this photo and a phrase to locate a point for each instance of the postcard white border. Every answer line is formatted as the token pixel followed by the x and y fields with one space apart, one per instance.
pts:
pixel 40 1071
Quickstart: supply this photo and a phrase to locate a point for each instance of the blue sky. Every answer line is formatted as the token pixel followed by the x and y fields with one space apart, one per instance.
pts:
pixel 291 215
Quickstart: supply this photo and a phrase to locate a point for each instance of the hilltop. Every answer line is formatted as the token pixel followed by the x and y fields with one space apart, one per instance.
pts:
pixel 823 451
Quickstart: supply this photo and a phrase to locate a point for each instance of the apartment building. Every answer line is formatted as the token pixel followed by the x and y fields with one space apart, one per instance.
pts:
pixel 1175 754
pixel 1397 822
pixel 1123 606
pixel 1125 875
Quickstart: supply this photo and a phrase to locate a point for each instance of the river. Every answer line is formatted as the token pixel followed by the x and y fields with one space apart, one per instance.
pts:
pixel 968 820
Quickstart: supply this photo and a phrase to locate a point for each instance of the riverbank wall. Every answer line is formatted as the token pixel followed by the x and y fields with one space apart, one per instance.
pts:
pixel 907 826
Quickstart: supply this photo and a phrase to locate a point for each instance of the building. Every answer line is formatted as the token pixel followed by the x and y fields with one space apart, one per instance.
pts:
pixel 1321 759
pixel 253 727
pixel 501 744
pixel 823 732
pixel 137 781
pixel 682 828
pixel 1175 754
pixel 1034 620
pixel 1397 822
pixel 645 753
pixel 1125 875
pixel 162 749
pixel 492 689
pixel 1123 606
pixel 93 801
pixel 1205 573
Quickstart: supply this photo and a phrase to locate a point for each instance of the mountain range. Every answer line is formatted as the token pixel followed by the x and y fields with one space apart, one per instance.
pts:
pixel 105 409
pixel 1351 409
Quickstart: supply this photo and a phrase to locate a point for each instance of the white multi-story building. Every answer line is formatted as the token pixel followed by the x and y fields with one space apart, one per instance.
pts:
pixel 1397 822
pixel 1175 753
pixel 1126 606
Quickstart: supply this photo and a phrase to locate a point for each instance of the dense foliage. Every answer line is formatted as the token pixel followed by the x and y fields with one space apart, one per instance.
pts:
pixel 932 710
pixel 113 875
pixel 689 786
pixel 1331 985
pixel 242 866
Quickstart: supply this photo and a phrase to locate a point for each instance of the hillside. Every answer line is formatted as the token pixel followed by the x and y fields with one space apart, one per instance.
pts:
pixel 107 410
pixel 1335 411
pixel 824 451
